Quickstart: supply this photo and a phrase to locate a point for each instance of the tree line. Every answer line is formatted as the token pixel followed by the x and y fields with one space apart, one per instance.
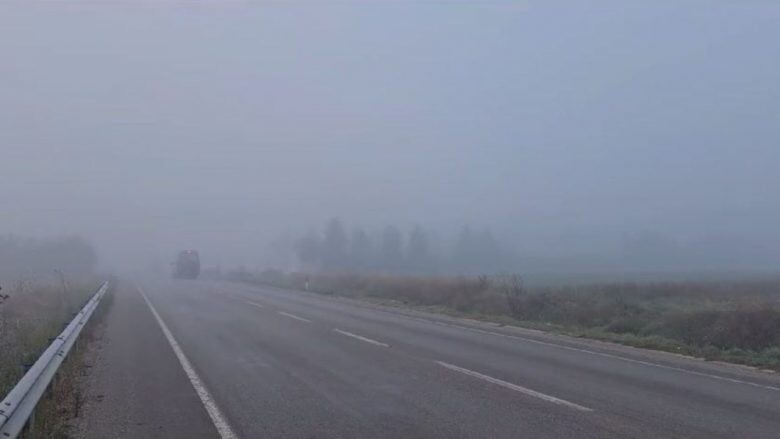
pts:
pixel 30 257
pixel 393 250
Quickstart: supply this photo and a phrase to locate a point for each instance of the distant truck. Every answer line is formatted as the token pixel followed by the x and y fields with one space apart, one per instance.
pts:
pixel 187 265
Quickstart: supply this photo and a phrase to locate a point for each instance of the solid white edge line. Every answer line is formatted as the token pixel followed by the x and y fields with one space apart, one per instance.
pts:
pixel 361 338
pixel 515 387
pixel 293 316
pixel 219 421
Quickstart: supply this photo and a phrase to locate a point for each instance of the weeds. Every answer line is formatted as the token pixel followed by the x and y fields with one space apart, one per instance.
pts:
pixel 729 321
pixel 515 293
pixel 31 315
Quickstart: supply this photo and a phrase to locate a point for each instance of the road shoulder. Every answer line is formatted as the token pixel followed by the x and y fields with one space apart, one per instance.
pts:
pixel 134 385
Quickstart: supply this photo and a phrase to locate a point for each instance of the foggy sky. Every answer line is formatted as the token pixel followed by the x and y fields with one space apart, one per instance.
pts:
pixel 561 126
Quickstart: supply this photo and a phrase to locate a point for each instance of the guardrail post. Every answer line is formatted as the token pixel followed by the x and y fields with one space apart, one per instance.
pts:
pixel 29 426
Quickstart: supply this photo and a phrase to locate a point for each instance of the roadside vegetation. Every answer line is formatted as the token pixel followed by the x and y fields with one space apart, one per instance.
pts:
pixel 42 282
pixel 736 321
pixel 32 313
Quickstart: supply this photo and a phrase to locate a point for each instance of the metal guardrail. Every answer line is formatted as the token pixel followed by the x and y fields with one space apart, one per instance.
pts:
pixel 19 404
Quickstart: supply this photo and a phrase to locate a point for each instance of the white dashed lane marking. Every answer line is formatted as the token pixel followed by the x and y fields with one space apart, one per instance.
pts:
pixel 249 302
pixel 293 316
pixel 361 338
pixel 515 387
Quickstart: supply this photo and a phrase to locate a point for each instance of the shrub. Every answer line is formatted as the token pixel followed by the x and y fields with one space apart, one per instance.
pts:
pixel 754 327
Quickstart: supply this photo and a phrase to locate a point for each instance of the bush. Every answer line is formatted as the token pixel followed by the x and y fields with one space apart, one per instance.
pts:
pixel 623 325
pixel 755 328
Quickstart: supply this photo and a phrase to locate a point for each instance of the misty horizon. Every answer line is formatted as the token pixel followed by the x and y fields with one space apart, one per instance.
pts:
pixel 224 127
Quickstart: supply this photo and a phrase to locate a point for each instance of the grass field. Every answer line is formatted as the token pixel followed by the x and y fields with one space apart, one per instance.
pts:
pixel 32 313
pixel 736 321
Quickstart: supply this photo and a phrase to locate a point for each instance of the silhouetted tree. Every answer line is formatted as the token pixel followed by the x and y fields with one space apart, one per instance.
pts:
pixel 391 250
pixel 360 252
pixel 418 258
pixel 478 253
pixel 463 251
pixel 307 249
pixel 70 255
pixel 334 248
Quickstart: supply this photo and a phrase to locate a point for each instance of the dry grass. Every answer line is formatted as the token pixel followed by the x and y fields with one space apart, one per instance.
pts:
pixel 56 413
pixel 732 321
pixel 31 315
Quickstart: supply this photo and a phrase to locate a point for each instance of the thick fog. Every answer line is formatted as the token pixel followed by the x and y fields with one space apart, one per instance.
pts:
pixel 577 135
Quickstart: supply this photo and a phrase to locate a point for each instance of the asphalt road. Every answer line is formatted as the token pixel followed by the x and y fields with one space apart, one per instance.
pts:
pixel 251 362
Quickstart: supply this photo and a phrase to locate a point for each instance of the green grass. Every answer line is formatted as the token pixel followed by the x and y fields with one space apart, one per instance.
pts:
pixel 733 321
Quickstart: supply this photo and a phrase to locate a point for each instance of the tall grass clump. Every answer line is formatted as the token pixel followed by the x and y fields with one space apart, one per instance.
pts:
pixel 31 315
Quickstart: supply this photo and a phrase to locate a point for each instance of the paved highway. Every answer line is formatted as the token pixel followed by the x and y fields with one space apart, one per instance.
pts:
pixel 210 359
